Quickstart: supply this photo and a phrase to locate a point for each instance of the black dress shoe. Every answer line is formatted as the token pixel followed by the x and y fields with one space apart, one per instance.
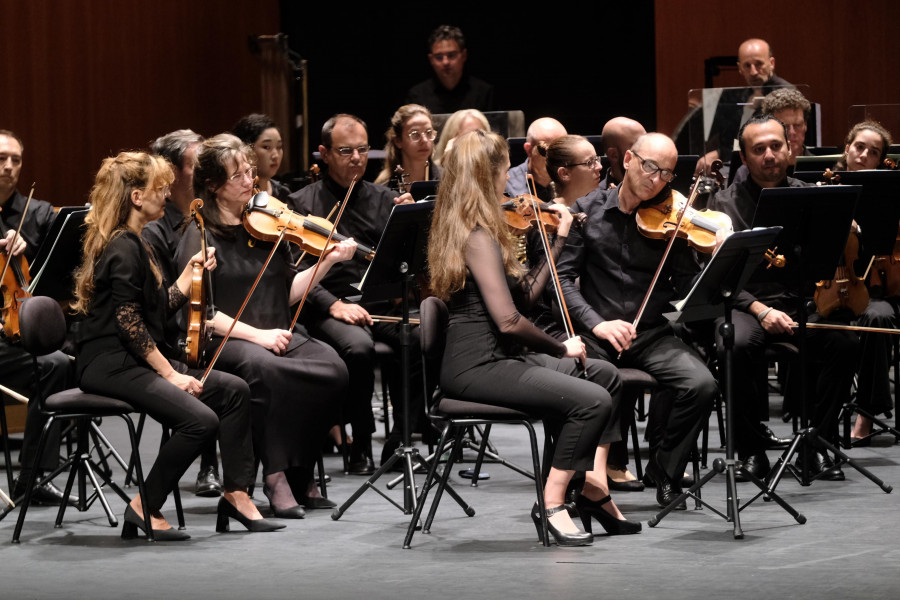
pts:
pixel 362 466
pixel 133 522
pixel 613 526
pixel 686 481
pixel 226 510
pixel 755 464
pixel 208 483
pixel 820 466
pixel 625 486
pixel 667 491
pixel 772 441
pixel 577 538
pixel 43 495
pixel 314 502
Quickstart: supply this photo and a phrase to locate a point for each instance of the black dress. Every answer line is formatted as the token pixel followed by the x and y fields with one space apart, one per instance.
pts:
pixel 496 356
pixel 122 327
pixel 296 397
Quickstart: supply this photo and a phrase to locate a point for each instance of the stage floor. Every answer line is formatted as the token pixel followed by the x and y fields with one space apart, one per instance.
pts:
pixel 848 547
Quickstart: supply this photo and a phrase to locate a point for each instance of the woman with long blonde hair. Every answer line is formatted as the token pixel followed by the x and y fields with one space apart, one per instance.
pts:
pixel 473 267
pixel 123 353
pixel 410 145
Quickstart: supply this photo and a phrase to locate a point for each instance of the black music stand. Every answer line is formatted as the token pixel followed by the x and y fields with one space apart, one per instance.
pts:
pixel 816 223
pixel 401 255
pixel 711 297
pixel 54 265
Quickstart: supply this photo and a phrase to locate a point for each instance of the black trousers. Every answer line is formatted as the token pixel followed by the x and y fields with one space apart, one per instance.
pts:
pixel 223 407
pixel 16 372
pixel 874 386
pixel 691 386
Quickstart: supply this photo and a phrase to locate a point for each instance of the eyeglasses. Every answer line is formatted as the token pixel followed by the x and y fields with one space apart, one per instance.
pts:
pixel 416 135
pixel 651 168
pixel 249 173
pixel 348 151
pixel 165 190
pixel 589 163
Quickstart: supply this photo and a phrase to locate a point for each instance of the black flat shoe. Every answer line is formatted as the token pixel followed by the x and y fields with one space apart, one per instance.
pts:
pixel 577 538
pixel 625 486
pixel 613 526
pixel 226 510
pixel 133 522
pixel 314 502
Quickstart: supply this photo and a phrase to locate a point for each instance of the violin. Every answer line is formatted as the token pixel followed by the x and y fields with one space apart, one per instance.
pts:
pixel 199 330
pixel 14 280
pixel 266 217
pixel 699 227
pixel 846 290
pixel 520 214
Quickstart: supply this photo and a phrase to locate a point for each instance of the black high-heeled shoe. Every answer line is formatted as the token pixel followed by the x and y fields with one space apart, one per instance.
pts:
pixel 292 512
pixel 133 522
pixel 227 510
pixel 577 538
pixel 613 526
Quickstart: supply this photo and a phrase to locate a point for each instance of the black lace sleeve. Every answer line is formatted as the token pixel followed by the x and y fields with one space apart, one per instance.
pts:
pixel 485 262
pixel 176 299
pixel 132 330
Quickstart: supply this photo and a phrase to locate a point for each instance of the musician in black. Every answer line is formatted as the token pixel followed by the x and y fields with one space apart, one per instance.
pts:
pixel 15 363
pixel 616 264
pixel 409 144
pixel 765 312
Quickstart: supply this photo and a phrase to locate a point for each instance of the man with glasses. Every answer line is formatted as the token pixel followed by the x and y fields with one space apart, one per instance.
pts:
pixel 616 264
pixel 347 326
pixel 764 313
pixel 15 364
pixel 541 131
pixel 450 89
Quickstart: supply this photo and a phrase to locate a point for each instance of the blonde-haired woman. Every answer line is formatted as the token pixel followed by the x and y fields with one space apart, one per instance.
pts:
pixel 473 265
pixel 460 122
pixel 410 145
pixel 123 352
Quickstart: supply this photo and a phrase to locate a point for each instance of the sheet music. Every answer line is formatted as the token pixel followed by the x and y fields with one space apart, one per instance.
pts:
pixel 36 277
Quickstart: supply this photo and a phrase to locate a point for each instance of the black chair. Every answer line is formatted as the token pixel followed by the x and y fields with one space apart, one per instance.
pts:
pixel 43 329
pixel 457 416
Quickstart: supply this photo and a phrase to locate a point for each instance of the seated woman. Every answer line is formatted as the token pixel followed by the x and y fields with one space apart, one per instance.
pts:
pixel 474 269
pixel 866 146
pixel 262 135
pixel 296 383
pixel 410 144
pixel 460 122
pixel 123 352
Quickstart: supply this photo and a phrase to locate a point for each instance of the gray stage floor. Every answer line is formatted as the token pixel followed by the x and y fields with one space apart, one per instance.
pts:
pixel 847 548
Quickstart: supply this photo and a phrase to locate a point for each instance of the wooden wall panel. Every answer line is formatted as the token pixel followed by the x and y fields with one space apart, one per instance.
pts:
pixel 83 80
pixel 844 50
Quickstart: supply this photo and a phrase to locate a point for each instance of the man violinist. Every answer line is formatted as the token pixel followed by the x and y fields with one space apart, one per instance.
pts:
pixel 616 264
pixel 15 363
pixel 765 312
pixel 348 327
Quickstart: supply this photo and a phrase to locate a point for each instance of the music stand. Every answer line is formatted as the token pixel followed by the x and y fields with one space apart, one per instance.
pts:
pixel 711 297
pixel 62 244
pixel 816 223
pixel 400 256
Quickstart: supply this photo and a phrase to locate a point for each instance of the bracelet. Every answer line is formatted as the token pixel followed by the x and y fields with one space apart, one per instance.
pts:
pixel 762 314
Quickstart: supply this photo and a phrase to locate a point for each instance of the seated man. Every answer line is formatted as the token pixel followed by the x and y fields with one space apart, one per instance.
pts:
pixel 765 312
pixel 616 263
pixel 543 130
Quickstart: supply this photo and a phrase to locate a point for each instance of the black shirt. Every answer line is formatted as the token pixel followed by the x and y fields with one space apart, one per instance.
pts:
pixel 38 220
pixel 470 92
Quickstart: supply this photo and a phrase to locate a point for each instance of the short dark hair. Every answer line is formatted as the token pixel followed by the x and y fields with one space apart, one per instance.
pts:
pixel 9 133
pixel 759 120
pixel 173 145
pixel 250 127
pixel 445 33
pixel 330 124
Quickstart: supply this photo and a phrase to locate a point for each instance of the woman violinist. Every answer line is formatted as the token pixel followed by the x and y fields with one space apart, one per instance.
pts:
pixel 474 269
pixel 123 354
pixel 410 146
pixel 866 145
pixel 262 135
pixel 296 383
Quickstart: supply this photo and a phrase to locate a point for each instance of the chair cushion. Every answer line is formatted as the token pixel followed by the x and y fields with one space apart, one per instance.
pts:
pixel 637 378
pixel 76 401
pixel 453 408
pixel 42 325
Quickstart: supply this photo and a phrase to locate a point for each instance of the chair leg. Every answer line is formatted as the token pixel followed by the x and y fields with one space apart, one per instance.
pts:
pixel 636 449
pixel 426 487
pixel 32 478
pixel 479 460
pixel 320 467
pixel 455 454
pixel 539 481
pixel 140 432
pixel 7 455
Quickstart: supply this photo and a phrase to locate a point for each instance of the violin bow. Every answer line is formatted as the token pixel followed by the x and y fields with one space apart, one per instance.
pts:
pixel 243 306
pixel 716 165
pixel 327 218
pixel 557 288
pixel 15 237
pixel 337 219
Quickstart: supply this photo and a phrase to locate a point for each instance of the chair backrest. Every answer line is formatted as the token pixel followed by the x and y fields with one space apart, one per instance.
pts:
pixel 433 318
pixel 42 325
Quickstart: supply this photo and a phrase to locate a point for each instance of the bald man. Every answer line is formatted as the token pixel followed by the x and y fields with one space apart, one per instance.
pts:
pixel 756 64
pixel 619 134
pixel 615 264
pixel 543 130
